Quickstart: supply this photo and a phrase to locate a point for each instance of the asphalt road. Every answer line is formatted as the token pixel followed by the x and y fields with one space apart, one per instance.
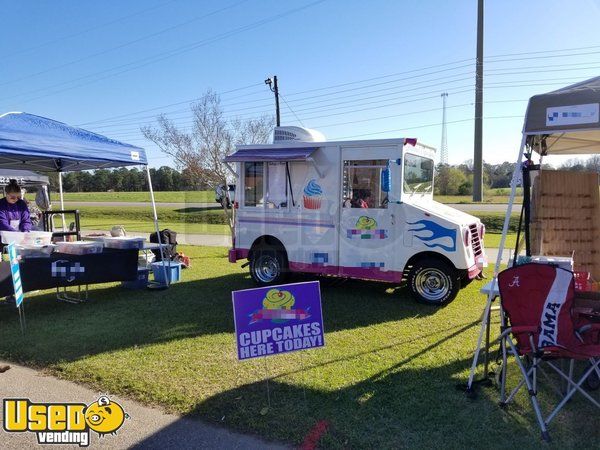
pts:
pixel 147 428
pixel 466 207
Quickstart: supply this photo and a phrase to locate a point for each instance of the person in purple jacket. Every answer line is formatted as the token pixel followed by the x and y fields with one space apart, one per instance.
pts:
pixel 14 214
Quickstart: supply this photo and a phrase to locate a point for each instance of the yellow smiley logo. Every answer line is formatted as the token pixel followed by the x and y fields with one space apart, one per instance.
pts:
pixel 105 416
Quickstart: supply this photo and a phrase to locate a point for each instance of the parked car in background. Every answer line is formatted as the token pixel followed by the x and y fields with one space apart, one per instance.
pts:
pixel 225 194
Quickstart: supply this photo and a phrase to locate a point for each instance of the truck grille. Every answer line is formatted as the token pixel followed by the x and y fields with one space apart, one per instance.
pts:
pixel 475 240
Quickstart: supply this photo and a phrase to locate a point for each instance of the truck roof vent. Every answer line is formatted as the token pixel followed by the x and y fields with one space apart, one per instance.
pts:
pixel 297 134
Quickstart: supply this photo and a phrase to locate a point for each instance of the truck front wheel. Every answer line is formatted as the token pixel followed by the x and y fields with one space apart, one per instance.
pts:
pixel 433 281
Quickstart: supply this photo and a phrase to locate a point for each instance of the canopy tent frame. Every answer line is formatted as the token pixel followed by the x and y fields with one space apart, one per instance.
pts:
pixel 570 119
pixel 45 145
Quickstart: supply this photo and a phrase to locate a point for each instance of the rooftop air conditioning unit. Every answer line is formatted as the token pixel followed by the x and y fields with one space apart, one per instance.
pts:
pixel 281 134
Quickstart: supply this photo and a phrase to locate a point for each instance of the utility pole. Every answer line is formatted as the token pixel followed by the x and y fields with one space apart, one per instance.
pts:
pixel 272 83
pixel 477 141
pixel 444 145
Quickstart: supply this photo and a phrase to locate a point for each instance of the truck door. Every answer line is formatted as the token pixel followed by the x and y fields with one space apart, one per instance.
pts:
pixel 369 216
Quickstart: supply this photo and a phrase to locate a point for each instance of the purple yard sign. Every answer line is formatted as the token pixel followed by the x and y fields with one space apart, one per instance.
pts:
pixel 278 319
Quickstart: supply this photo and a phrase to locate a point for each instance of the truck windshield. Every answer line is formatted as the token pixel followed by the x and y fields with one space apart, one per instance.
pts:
pixel 418 174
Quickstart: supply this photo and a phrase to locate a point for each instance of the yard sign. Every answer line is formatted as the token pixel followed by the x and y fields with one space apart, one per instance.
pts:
pixel 278 319
pixel 16 274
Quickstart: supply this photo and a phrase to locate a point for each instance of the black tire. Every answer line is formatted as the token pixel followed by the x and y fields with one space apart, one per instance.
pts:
pixel 465 281
pixel 268 266
pixel 433 281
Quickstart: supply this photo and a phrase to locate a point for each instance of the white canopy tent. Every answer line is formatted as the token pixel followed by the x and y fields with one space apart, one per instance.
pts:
pixel 561 122
pixel 44 145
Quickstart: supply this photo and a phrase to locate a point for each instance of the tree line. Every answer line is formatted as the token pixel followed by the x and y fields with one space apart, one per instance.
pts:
pixel 130 180
pixel 449 179
pixel 458 179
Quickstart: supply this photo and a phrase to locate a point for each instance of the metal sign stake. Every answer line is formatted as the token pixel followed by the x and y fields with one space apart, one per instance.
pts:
pixel 267 380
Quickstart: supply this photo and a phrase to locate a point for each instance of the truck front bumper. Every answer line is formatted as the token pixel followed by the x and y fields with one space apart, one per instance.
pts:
pixel 477 268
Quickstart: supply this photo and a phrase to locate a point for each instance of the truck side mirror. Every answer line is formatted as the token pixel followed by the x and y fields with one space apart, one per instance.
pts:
pixel 386 179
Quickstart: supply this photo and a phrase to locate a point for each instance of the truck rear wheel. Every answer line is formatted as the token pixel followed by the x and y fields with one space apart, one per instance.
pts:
pixel 433 281
pixel 268 266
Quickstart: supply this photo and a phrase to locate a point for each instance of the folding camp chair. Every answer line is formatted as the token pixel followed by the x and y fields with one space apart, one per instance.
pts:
pixel 537 300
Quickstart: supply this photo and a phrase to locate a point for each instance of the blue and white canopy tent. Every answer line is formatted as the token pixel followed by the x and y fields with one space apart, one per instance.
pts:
pixel 30 142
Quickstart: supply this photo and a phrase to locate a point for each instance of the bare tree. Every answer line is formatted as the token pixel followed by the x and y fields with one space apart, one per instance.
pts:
pixel 593 164
pixel 212 137
pixel 201 150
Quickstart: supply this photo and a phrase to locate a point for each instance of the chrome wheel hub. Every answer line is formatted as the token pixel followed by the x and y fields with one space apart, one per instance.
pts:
pixel 266 268
pixel 432 284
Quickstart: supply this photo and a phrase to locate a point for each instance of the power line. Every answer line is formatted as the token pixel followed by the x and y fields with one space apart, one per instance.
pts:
pixel 327 115
pixel 268 103
pixel 423 126
pixel 364 80
pixel 543 51
pixel 296 101
pixel 382 117
pixel 546 66
pixel 413 113
pixel 380 106
pixel 390 75
pixel 386 94
pixel 345 111
pixel 125 44
pixel 88 30
pixel 290 108
pixel 543 57
pixel 171 104
pixel 164 55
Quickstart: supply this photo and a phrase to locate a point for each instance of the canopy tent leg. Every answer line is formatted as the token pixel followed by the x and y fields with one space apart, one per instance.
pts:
pixel 156 227
pixel 490 298
pixel 62 202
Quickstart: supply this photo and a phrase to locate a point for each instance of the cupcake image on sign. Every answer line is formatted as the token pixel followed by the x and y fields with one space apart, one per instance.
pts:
pixel 312 195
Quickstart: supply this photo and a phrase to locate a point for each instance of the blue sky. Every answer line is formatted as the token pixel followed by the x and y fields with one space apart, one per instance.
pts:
pixel 351 69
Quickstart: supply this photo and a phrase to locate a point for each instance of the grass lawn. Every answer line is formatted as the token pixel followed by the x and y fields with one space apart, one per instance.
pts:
pixel 469 199
pixel 494 196
pixel 492 240
pixel 168 196
pixel 147 226
pixel 182 220
pixel 498 195
pixel 385 379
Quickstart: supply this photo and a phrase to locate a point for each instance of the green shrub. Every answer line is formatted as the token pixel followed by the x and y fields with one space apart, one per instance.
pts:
pixel 495 221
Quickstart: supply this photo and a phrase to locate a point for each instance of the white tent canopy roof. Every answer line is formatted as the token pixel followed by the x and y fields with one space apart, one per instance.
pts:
pixel 568 119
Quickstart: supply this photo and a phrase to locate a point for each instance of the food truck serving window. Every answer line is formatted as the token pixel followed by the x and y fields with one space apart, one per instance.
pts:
pixel 253 184
pixel 418 174
pixel 266 184
pixel 362 184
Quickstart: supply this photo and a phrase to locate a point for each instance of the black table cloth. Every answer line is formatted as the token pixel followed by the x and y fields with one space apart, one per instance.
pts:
pixel 62 269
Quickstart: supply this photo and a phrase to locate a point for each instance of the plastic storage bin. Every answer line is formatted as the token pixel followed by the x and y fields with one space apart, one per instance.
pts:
pixel 173 271
pixel 31 237
pixel 140 282
pixel 35 251
pixel 79 247
pixel 124 242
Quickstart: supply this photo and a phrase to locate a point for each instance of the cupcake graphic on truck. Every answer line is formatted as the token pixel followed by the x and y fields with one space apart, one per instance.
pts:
pixel 312 195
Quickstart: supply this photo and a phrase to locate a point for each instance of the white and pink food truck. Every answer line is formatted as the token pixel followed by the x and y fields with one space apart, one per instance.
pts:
pixel 354 209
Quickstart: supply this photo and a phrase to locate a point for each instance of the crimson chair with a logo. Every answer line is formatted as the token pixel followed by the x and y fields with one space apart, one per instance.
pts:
pixel 537 300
